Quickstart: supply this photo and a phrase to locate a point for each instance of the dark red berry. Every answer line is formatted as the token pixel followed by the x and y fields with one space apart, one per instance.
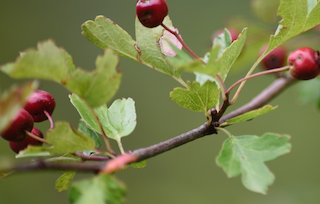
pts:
pixel 38 102
pixel 304 63
pixel 233 32
pixel 15 132
pixel 151 12
pixel 18 146
pixel 275 59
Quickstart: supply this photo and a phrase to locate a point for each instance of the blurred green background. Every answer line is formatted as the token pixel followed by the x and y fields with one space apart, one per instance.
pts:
pixel 187 174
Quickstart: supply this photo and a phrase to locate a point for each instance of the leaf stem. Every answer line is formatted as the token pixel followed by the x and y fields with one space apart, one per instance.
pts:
pixel 225 131
pixel 120 146
pixel 36 137
pixel 250 77
pixel 50 119
pixel 182 42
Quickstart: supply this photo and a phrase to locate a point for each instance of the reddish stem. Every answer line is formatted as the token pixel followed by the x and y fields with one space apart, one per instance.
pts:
pixel 50 119
pixel 36 137
pixel 182 42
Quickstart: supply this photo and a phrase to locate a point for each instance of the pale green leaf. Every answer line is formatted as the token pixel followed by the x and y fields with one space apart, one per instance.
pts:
pixel 309 91
pixel 246 155
pixel 64 181
pixel 34 151
pixel 117 121
pixel 196 98
pixel 250 115
pixel 220 65
pixel 65 139
pixel 104 33
pixel 120 119
pixel 46 62
pixel 100 189
pixel 139 165
pixel 99 86
pixel 149 50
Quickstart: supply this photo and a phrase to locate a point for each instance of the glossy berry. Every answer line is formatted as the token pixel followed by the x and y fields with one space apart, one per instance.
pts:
pixel 18 146
pixel 38 102
pixel 15 132
pixel 233 33
pixel 275 59
pixel 304 63
pixel 151 12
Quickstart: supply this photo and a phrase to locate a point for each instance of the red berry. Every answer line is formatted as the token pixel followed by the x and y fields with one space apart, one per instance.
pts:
pixel 38 102
pixel 18 146
pixel 151 12
pixel 275 59
pixel 233 32
pixel 304 63
pixel 15 132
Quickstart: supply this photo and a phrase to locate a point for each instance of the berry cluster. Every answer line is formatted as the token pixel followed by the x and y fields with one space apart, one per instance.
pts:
pixel 304 63
pixel 39 107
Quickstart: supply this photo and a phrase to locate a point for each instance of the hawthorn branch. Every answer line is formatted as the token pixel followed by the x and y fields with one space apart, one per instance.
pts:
pixel 145 153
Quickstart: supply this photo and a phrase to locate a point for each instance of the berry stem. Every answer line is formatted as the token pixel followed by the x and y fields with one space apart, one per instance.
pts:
pixel 250 77
pixel 50 119
pixel 182 42
pixel 36 137
pixel 225 131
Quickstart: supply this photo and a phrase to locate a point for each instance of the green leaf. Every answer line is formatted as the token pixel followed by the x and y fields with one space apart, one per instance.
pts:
pixel 196 98
pixel 298 16
pixel 246 155
pixel 120 119
pixel 52 63
pixel 265 10
pixel 12 100
pixel 104 33
pixel 46 62
pixel 250 115
pixel 100 189
pixel 64 180
pixel 309 91
pixel 99 86
pixel 82 127
pixel 85 112
pixel 139 165
pixel 65 139
pixel 117 121
pixel 34 151
pixel 220 64
pixel 149 50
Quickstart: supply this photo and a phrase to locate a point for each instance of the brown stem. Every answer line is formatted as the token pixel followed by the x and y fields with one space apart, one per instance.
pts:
pixel 182 42
pixel 144 153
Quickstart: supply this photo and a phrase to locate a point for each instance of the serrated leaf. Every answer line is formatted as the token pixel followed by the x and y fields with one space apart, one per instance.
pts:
pixel 117 121
pixel 65 139
pixel 298 16
pixel 139 165
pixel 82 127
pixel 99 86
pixel 52 63
pixel 100 189
pixel 149 49
pixel 12 100
pixel 64 180
pixel 219 64
pixel 246 155
pixel 104 33
pixel 196 98
pixel 46 62
pixel 250 115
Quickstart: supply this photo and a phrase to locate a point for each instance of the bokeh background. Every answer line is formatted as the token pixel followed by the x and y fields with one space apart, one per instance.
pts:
pixel 187 174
